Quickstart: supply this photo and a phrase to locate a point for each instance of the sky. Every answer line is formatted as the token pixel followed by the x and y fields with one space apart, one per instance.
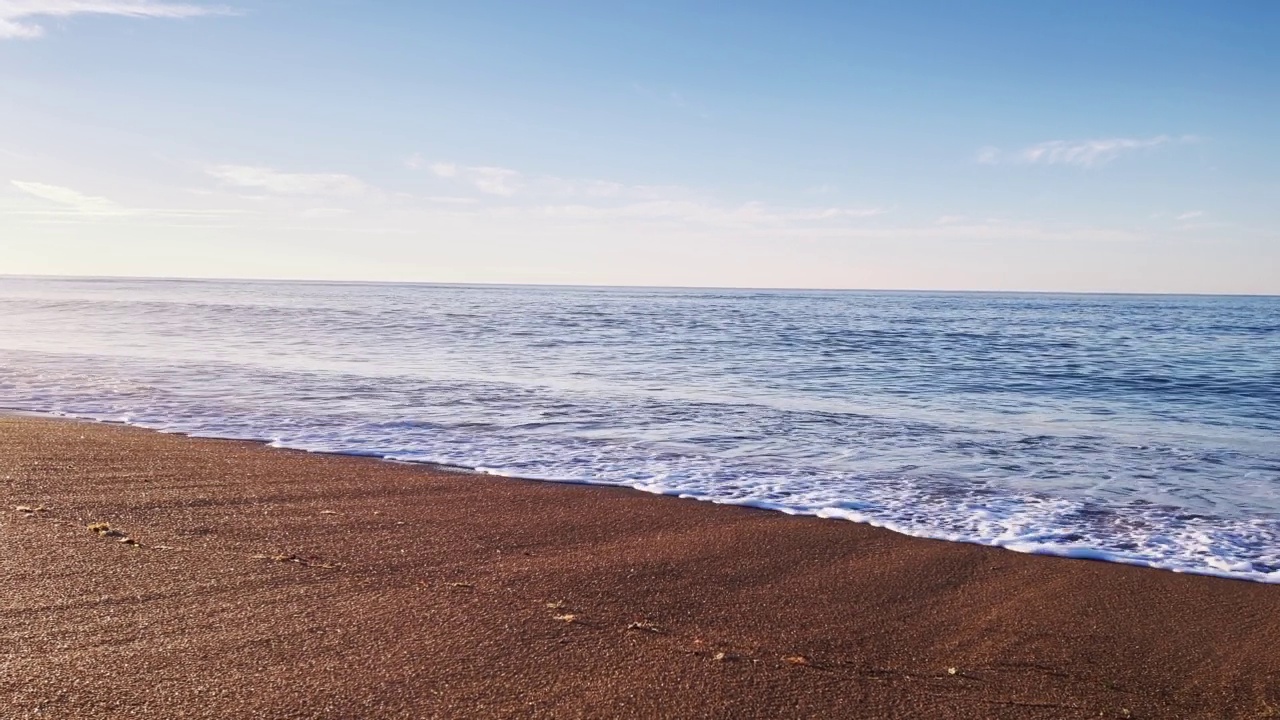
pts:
pixel 962 145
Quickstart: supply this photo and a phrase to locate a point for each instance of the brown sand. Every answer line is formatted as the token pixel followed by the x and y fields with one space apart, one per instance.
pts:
pixel 277 584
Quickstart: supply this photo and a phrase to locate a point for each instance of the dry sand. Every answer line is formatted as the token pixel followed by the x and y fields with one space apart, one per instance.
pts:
pixel 270 583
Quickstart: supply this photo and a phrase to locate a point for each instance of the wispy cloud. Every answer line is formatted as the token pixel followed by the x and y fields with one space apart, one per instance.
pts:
pixel 451 200
pixel 494 180
pixel 702 213
pixel 72 200
pixel 1078 153
pixel 16 16
pixel 284 183
pixel 494 194
pixel 1192 215
pixel 443 169
pixel 578 200
pixel 68 205
pixel 508 183
pixel 487 179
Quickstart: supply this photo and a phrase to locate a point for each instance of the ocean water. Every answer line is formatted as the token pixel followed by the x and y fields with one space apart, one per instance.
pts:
pixel 1143 430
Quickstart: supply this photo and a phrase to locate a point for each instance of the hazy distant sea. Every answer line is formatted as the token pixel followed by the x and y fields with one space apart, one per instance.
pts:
pixel 1137 429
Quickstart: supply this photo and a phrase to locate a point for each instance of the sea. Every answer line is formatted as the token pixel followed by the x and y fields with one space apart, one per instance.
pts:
pixel 1126 428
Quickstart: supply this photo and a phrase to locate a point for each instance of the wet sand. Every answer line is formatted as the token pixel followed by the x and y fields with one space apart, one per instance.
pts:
pixel 271 583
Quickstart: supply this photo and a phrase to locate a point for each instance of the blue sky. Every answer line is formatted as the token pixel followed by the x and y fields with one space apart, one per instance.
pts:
pixel 1090 146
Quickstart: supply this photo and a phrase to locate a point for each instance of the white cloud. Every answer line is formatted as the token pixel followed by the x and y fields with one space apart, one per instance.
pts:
pixel 324 213
pixel 1087 153
pixel 494 180
pixel 601 188
pixel 65 205
pixel 486 179
pixel 1192 215
pixel 451 200
pixel 16 15
pixel 503 194
pixel 690 213
pixel 72 200
pixel 505 182
pixel 850 213
pixel 281 183
pixel 11 30
pixel 573 200
pixel 1080 153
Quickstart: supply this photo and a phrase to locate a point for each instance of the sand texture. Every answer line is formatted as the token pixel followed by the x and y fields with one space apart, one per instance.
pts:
pixel 234 580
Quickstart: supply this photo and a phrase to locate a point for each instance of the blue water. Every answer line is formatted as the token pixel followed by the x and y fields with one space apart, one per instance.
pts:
pixel 1137 429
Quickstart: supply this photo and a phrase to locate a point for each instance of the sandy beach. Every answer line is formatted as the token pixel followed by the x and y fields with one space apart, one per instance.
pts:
pixel 236 580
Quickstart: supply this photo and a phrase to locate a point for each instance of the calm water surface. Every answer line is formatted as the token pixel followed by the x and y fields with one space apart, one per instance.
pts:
pixel 1136 429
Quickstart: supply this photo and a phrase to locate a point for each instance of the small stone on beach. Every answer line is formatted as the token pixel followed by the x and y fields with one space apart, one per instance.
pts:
pixel 103 529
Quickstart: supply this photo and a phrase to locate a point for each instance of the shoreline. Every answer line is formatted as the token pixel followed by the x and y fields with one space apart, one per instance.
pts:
pixel 1076 553
pixel 296 584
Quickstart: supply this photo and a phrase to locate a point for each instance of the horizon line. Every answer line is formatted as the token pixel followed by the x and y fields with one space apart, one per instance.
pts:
pixel 602 286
